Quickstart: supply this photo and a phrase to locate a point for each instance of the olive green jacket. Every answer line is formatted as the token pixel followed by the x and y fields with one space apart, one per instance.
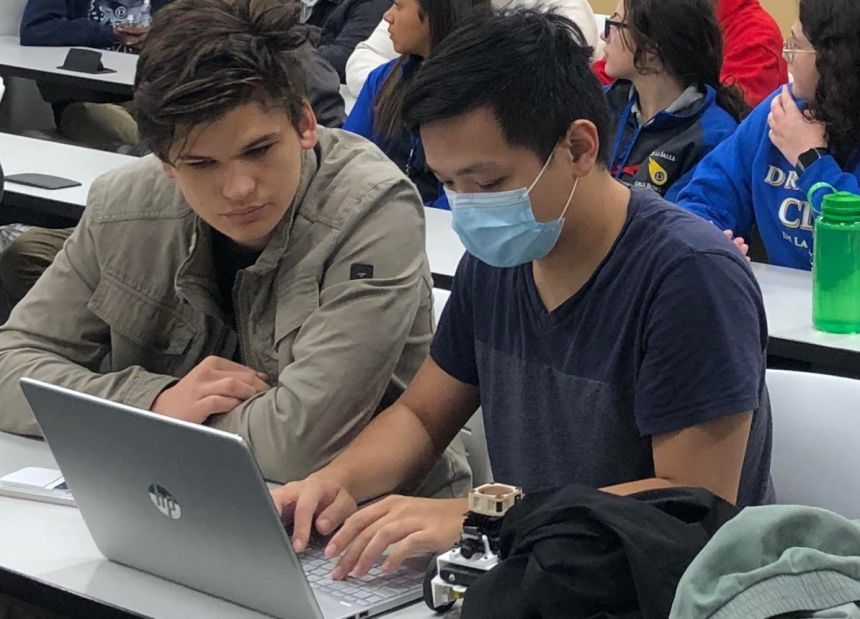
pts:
pixel 130 304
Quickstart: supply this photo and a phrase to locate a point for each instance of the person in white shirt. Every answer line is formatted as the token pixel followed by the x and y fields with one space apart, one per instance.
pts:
pixel 378 50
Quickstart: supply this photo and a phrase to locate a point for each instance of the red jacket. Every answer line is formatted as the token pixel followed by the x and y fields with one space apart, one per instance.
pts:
pixel 753 50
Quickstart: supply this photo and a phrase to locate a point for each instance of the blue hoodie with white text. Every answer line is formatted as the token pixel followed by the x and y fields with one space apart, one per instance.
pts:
pixel 746 181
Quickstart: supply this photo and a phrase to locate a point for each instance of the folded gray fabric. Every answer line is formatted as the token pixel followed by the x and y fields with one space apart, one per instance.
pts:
pixel 846 611
pixel 771 561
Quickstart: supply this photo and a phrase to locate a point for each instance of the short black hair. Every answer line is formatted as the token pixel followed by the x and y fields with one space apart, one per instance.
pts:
pixel 531 68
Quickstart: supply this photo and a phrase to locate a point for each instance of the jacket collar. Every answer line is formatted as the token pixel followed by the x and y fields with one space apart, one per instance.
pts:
pixel 680 107
pixel 685 107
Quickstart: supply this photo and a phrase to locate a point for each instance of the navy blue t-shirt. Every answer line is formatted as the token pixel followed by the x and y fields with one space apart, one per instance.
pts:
pixel 669 332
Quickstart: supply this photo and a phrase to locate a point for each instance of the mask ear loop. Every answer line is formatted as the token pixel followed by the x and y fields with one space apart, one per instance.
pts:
pixel 570 197
pixel 540 174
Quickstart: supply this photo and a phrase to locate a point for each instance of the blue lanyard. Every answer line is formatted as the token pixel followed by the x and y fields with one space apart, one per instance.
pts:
pixel 415 144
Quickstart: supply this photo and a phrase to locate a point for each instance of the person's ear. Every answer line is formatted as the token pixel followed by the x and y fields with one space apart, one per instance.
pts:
pixel 582 143
pixel 653 63
pixel 169 170
pixel 307 127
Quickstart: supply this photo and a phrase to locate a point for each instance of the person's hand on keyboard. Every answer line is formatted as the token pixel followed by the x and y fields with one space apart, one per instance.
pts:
pixel 314 501
pixel 415 525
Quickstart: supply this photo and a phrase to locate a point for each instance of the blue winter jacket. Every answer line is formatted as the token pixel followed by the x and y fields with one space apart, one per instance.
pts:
pixel 746 181
pixel 76 22
pixel 662 154
pixel 406 151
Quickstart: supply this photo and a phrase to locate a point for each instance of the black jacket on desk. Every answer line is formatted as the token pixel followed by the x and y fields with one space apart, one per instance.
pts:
pixel 662 154
pixel 578 553
pixel 343 25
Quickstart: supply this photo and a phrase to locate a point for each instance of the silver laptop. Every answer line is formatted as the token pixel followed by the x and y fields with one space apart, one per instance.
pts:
pixel 188 503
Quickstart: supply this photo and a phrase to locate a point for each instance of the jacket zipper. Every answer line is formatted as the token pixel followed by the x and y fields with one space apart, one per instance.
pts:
pixel 237 324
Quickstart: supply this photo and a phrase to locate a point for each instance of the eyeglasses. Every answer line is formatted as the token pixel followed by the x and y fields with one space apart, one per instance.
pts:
pixel 608 24
pixel 789 49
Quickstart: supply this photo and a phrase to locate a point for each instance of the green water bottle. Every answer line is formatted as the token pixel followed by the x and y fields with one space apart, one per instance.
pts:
pixel 836 263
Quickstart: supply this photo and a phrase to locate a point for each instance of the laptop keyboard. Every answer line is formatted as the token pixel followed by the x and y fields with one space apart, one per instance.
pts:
pixel 372 589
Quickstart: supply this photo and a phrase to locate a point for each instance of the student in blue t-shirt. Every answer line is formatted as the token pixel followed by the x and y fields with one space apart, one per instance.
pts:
pixel 415 27
pixel 797 138
pixel 611 338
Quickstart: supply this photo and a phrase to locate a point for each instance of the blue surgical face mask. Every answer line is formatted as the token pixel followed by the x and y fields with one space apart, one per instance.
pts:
pixel 500 228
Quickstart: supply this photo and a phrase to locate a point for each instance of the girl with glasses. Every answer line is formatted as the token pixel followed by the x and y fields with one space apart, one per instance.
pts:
pixel 752 46
pixel 802 135
pixel 669 106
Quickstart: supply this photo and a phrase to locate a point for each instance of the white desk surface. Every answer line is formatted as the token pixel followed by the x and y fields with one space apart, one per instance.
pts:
pixel 444 248
pixel 43 62
pixel 787 297
pixel 50 543
pixel 20 154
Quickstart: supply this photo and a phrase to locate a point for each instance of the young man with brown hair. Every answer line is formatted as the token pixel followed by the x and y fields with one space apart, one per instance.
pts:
pixel 259 273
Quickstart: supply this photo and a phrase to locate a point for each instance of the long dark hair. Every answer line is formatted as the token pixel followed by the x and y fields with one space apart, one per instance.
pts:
pixel 686 37
pixel 443 16
pixel 832 28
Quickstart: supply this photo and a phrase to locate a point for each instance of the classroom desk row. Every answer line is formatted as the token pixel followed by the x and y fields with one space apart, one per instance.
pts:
pixel 20 154
pixel 45 550
pixel 787 295
pixel 787 292
pixel 47 555
pixel 43 63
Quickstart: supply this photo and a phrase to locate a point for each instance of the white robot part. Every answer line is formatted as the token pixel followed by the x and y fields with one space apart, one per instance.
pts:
pixel 494 499
pixel 476 553
pixel 455 572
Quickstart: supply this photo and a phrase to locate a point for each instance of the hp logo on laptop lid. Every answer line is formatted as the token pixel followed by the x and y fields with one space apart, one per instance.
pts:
pixel 165 502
